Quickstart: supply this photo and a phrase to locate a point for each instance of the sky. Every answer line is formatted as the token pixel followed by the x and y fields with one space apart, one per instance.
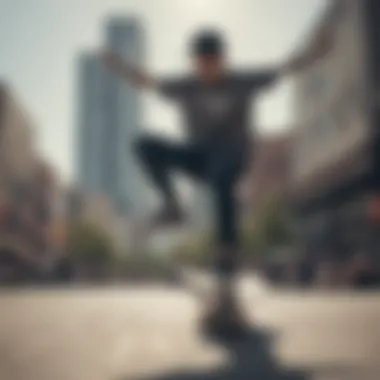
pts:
pixel 40 40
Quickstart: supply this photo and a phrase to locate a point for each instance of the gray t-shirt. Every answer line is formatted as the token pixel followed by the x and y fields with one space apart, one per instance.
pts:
pixel 218 113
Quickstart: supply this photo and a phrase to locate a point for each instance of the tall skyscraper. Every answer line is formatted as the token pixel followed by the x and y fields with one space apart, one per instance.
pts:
pixel 109 112
pixel 90 122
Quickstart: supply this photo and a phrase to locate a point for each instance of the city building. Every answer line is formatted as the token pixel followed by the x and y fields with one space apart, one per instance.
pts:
pixel 109 118
pixel 90 122
pixel 16 165
pixel 28 189
pixel 97 210
pixel 269 174
pixel 335 170
pixel 17 149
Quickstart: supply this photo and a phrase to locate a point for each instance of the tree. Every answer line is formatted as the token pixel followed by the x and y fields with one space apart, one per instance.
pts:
pixel 269 227
pixel 195 250
pixel 276 224
pixel 87 243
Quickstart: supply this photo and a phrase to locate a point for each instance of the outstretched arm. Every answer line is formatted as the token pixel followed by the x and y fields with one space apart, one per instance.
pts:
pixel 134 75
pixel 316 49
pixel 297 63
pixel 292 66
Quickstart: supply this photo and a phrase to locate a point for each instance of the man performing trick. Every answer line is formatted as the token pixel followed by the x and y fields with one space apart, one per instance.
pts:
pixel 215 102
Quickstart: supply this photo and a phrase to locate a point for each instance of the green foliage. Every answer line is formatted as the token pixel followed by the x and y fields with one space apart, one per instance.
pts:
pixel 195 251
pixel 269 227
pixel 146 266
pixel 88 243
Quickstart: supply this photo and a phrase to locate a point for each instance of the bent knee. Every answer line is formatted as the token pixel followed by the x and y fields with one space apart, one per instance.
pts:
pixel 146 147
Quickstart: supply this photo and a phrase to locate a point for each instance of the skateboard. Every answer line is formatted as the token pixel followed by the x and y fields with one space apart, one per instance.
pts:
pixel 224 325
pixel 227 324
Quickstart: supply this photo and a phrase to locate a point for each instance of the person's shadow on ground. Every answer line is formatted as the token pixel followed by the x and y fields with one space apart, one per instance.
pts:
pixel 251 358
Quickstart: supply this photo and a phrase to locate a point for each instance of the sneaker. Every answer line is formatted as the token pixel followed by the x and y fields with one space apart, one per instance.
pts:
pixel 225 317
pixel 166 217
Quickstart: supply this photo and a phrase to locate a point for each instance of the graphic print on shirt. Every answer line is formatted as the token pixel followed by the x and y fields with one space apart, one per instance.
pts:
pixel 215 106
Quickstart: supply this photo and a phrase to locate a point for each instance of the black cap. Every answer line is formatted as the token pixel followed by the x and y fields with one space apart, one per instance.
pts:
pixel 208 42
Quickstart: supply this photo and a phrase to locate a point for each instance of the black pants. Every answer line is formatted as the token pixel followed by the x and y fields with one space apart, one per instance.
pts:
pixel 214 164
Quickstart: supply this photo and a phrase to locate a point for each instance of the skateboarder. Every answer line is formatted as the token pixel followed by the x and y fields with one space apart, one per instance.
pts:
pixel 215 102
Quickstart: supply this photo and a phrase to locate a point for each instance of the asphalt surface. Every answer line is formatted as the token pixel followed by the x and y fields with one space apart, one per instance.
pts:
pixel 152 333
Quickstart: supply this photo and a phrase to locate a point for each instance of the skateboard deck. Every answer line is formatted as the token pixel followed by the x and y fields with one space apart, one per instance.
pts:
pixel 223 325
pixel 218 327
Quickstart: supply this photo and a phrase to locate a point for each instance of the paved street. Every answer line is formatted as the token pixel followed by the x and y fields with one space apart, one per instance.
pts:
pixel 151 333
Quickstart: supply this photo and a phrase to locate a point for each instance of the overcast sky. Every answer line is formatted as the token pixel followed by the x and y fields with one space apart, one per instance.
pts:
pixel 39 40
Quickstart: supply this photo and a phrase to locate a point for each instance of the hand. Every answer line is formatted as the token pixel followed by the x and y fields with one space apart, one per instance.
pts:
pixel 318 49
pixel 297 63
pixel 115 62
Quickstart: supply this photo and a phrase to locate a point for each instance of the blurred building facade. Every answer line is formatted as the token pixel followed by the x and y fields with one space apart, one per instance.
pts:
pixel 336 157
pixel 29 194
pixel 17 138
pixel 109 116
pixel 97 210
pixel 269 174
